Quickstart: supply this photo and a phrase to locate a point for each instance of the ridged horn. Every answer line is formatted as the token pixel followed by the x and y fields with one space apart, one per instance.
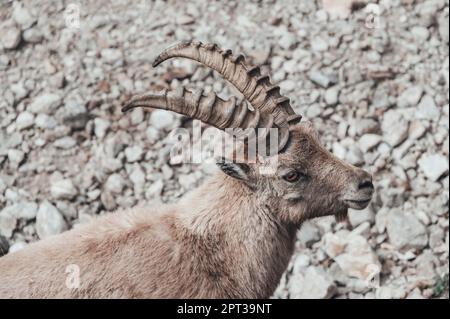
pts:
pixel 255 87
pixel 211 110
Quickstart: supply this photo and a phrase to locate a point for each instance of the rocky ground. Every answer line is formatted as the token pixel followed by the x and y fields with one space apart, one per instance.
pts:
pixel 373 78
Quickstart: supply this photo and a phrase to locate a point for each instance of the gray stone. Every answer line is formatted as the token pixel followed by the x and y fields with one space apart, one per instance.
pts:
pixel 115 184
pixel 308 233
pixel 137 176
pixel 63 189
pixel 288 85
pixel 369 141
pixel 410 97
pixel 161 119
pixel 49 221
pixel 315 283
pixel 24 120
pixel 19 91
pixel 332 96
pixel 16 247
pixel 108 201
pixel 7 224
pixel 65 142
pixel 32 35
pixel 318 44
pixel 433 165
pixel 101 127
pixel 112 56
pixel 134 153
pixel 16 156
pixel 137 116
pixel 11 35
pixel 421 34
pixel 22 15
pixel 427 109
pixel 25 210
pixel 405 231
pixel 395 127
pixel 322 79
pixel 287 41
pixel 45 121
pixel 354 156
pixel 45 103
pixel 357 217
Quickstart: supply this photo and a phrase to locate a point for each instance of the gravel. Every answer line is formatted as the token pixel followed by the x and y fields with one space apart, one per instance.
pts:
pixel 49 221
pixel 377 90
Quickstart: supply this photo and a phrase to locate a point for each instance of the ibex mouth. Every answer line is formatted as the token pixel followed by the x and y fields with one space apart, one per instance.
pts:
pixel 358 203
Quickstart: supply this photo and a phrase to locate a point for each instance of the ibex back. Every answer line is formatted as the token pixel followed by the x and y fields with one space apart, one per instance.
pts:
pixel 230 238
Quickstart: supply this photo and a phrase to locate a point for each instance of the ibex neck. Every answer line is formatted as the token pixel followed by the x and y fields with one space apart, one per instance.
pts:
pixel 245 229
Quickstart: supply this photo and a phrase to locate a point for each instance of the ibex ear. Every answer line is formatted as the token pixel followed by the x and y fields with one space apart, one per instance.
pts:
pixel 236 170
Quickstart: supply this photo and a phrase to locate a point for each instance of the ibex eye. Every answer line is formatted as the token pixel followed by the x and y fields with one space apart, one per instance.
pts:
pixel 291 177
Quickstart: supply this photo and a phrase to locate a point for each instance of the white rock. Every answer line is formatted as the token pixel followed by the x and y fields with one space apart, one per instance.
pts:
pixel 49 221
pixel 315 283
pixel 17 246
pixel 308 233
pixel 137 116
pixel 333 244
pixel 416 130
pixel 11 35
pixel 32 35
pixel 420 33
pixel 22 16
pixel 112 56
pixel 395 127
pixel 101 127
pixel 433 165
pixel 16 156
pixel 288 85
pixel 63 189
pixel 287 40
pixel 161 119
pixel 137 176
pixel 65 142
pixel 134 153
pixel 357 217
pixel 7 224
pixel 410 97
pixel 155 189
pixel 25 210
pixel 321 79
pixel 115 183
pixel 331 96
pixel 354 156
pixel 358 260
pixel 405 231
pixel 318 44
pixel 45 121
pixel 24 120
pixel 338 9
pixel 19 90
pixel 45 103
pixel 369 141
pixel 427 109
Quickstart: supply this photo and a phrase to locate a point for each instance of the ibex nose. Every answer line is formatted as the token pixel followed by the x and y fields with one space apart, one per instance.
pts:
pixel 361 189
pixel 364 181
pixel 365 184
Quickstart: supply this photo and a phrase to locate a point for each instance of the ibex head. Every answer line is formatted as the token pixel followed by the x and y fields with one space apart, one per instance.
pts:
pixel 308 181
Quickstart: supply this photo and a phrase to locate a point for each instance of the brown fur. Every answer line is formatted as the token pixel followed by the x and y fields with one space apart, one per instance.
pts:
pixel 223 240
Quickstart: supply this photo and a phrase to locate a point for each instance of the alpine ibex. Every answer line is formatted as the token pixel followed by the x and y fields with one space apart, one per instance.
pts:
pixel 230 238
